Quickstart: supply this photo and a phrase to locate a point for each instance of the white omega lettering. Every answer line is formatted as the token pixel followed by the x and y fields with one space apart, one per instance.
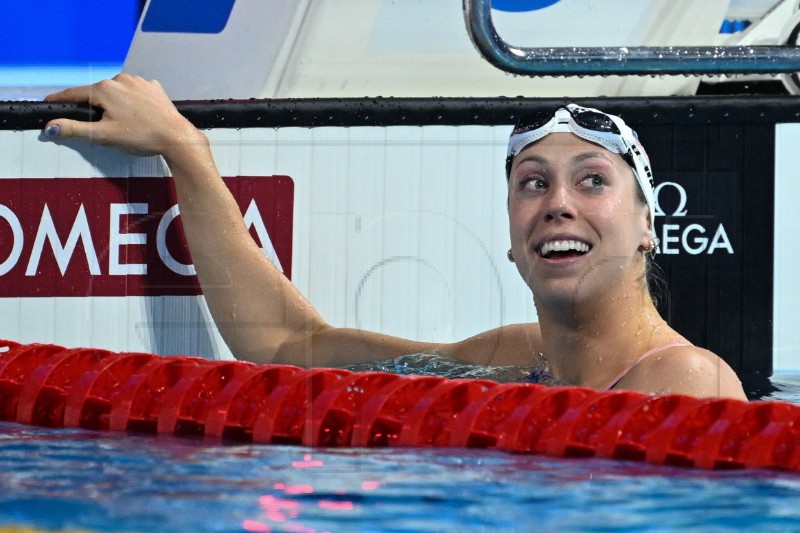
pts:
pixel 720 240
pixel 117 240
pixel 666 239
pixel 252 218
pixel 18 238
pixel 161 245
pixel 47 231
pixel 693 238
pixel 680 211
pixel 702 241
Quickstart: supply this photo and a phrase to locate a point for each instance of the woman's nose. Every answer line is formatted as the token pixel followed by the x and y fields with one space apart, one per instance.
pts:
pixel 559 204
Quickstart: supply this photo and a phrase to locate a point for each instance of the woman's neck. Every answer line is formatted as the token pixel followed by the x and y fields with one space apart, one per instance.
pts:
pixel 588 346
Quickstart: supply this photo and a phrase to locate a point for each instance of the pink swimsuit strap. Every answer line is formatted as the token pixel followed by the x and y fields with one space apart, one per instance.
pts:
pixel 657 349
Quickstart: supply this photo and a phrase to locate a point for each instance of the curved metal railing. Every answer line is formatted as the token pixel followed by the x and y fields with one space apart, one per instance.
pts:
pixel 693 60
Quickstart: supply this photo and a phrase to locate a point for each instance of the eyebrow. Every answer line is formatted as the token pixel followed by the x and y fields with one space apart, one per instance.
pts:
pixel 580 158
pixel 534 158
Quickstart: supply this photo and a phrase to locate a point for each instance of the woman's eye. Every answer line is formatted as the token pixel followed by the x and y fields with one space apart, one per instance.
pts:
pixel 594 180
pixel 533 184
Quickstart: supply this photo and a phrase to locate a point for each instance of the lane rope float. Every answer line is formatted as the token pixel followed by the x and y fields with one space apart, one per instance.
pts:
pixel 53 386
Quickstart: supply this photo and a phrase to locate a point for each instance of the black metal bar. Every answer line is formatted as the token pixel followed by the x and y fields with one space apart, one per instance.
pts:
pixel 642 60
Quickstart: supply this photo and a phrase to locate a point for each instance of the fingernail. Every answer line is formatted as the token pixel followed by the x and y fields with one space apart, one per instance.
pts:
pixel 52 131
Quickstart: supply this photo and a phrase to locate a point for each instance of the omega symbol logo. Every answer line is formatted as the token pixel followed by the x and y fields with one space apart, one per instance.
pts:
pixel 695 238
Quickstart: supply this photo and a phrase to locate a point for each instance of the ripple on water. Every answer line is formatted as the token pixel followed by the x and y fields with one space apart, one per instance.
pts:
pixel 105 481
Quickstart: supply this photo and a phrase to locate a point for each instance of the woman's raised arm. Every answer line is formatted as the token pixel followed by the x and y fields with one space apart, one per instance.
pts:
pixel 256 308
pixel 259 312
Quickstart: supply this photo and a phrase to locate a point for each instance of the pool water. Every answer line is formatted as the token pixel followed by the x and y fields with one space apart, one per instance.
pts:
pixel 106 481
pixel 77 479
pixel 787 385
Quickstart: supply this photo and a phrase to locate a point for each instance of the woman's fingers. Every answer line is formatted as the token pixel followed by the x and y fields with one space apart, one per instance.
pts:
pixel 72 129
pixel 75 129
pixel 61 128
pixel 138 116
pixel 96 93
pixel 100 133
pixel 73 94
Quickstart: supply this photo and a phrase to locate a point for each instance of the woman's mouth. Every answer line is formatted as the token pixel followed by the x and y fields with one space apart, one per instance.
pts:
pixel 563 249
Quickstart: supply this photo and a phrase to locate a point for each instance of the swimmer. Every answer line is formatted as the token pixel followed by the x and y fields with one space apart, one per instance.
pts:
pixel 580 208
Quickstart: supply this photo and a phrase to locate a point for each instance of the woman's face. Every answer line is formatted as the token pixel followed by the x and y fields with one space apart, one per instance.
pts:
pixel 576 226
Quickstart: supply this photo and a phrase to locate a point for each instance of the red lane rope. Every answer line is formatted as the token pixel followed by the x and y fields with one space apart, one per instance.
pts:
pixel 49 385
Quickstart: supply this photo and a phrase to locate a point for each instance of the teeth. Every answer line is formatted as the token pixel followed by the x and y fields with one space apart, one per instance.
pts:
pixel 563 246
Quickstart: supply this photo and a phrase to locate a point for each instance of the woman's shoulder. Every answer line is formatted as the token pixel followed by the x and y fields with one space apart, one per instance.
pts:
pixel 684 369
pixel 513 344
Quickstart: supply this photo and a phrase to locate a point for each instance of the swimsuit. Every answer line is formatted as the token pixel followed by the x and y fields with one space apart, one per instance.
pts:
pixel 657 349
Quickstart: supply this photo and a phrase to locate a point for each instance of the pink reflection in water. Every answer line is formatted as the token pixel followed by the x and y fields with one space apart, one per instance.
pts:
pixel 307 462
pixel 298 489
pixel 278 509
pixel 271 502
pixel 336 506
pixel 293 489
pixel 255 526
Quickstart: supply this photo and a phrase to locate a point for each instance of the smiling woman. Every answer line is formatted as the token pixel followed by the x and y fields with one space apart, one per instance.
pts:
pixel 580 206
pixel 581 231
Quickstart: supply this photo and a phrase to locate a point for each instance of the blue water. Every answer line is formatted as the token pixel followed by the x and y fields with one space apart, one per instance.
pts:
pixel 76 479
pixel 106 481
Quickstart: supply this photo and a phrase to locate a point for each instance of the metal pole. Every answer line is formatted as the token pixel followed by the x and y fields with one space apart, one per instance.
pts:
pixel 692 60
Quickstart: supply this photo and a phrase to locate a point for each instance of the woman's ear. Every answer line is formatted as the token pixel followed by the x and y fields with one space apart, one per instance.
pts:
pixel 646 242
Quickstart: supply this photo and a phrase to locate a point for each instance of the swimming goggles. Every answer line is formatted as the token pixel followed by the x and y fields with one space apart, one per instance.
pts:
pixel 609 131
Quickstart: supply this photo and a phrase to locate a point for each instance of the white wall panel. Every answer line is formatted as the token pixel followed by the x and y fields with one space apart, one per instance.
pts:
pixel 786 302
pixel 366 193
pixel 11 143
pixel 401 230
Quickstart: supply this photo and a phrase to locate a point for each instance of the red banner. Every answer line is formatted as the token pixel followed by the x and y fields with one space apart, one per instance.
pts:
pixel 120 236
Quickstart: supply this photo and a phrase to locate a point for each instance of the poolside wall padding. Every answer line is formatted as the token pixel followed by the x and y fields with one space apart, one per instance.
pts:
pixel 437 201
pixel 48 385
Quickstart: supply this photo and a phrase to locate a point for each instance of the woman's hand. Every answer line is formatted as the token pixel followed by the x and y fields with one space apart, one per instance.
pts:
pixel 138 117
pixel 261 315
